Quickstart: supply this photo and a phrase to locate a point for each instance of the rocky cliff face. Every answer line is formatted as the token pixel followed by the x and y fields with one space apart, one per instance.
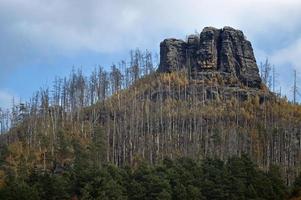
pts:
pixel 225 51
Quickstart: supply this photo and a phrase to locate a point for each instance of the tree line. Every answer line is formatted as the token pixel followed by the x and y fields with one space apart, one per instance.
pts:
pixel 179 179
pixel 69 95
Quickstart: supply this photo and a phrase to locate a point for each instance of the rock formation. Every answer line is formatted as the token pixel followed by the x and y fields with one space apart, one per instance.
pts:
pixel 225 51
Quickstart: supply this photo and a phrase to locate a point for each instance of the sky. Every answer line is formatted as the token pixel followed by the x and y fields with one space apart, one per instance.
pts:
pixel 42 39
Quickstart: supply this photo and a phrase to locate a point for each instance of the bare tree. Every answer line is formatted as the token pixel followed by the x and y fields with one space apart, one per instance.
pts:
pixel 295 88
pixel 265 72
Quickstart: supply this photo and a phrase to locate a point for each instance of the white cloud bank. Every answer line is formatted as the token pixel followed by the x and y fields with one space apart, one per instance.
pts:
pixel 290 54
pixel 112 25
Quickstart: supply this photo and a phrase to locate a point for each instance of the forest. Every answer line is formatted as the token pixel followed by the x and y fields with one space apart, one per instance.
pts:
pixel 183 178
pixel 133 133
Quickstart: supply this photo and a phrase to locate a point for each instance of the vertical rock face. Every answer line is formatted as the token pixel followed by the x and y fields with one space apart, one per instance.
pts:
pixel 236 56
pixel 172 55
pixel 219 50
pixel 207 54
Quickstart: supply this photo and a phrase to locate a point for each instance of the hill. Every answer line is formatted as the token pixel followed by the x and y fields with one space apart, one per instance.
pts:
pixel 206 100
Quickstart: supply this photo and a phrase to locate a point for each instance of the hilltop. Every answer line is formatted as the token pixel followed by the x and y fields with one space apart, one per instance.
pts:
pixel 221 58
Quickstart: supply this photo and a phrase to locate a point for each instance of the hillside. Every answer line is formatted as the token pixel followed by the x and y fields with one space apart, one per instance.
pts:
pixel 206 100
pixel 166 115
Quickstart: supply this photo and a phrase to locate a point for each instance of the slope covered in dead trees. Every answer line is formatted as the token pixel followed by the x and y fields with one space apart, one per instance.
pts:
pixel 205 101
pixel 166 115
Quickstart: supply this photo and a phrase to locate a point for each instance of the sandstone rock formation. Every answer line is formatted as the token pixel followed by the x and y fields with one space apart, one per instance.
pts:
pixel 225 51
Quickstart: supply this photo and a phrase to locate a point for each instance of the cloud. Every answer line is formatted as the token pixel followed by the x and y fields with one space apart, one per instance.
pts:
pixel 290 55
pixel 114 25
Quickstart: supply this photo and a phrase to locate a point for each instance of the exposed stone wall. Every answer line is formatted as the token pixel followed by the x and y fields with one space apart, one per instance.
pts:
pixel 172 55
pixel 224 50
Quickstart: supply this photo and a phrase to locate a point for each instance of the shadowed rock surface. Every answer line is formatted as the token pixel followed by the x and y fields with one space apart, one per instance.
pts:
pixel 224 50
